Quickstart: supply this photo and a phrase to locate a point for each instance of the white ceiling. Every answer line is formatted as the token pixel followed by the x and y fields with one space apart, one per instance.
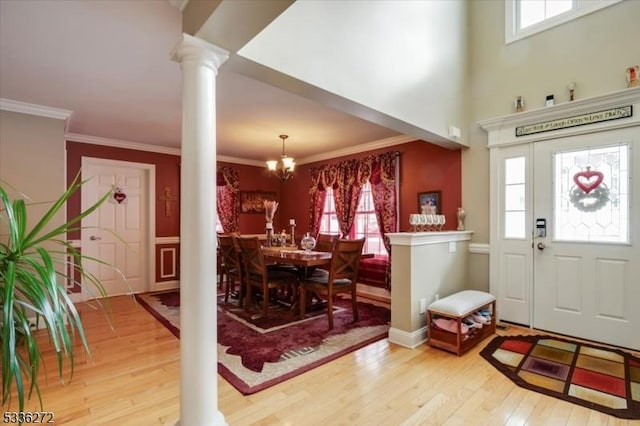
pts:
pixel 108 62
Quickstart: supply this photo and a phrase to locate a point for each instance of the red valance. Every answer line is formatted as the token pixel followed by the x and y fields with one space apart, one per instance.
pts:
pixel 374 168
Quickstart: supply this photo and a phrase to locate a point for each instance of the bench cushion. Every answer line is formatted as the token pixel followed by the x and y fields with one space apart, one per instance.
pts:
pixel 372 271
pixel 461 303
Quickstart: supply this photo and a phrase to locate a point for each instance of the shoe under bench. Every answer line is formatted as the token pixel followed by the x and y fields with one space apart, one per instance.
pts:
pixel 458 306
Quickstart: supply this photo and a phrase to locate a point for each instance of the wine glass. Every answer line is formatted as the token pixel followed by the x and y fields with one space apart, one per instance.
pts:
pixel 430 222
pixel 414 221
pixel 423 222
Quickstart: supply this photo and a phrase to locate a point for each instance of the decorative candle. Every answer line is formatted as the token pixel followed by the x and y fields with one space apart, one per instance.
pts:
pixel 292 221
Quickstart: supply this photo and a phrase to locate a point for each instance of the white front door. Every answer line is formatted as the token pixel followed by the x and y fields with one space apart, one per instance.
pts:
pixel 586 273
pixel 118 232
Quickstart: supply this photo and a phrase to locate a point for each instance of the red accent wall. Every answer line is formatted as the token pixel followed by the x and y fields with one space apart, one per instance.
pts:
pixel 252 178
pixel 167 175
pixel 423 167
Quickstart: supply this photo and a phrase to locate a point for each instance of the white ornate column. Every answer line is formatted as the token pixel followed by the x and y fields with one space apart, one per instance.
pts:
pixel 199 62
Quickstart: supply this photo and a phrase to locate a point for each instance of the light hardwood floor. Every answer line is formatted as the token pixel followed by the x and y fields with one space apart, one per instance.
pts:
pixel 133 379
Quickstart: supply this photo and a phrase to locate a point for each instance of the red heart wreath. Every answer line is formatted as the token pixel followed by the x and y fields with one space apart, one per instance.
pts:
pixel 119 197
pixel 588 180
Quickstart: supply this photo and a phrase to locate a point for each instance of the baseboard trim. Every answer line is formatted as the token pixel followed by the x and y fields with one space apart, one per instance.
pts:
pixel 407 339
pixel 374 293
pixel 166 285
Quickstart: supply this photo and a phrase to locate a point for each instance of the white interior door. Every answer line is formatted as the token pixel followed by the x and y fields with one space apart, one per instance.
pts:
pixel 586 267
pixel 117 233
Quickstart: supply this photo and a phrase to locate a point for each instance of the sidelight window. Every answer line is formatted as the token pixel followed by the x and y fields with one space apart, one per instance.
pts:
pixel 514 197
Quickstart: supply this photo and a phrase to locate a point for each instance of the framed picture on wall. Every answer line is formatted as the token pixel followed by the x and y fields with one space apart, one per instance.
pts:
pixel 253 201
pixel 430 202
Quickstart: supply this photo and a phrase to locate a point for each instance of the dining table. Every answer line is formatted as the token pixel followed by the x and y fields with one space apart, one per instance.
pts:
pixel 305 261
pixel 295 256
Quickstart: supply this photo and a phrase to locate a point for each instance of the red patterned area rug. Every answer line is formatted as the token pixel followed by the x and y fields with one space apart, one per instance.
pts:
pixel 597 377
pixel 256 354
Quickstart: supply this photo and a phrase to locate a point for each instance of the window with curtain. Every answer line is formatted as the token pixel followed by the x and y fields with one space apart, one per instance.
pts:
pixel 365 224
pixel 358 198
pixel 227 200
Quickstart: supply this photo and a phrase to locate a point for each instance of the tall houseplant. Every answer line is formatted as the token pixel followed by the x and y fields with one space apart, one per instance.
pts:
pixel 32 291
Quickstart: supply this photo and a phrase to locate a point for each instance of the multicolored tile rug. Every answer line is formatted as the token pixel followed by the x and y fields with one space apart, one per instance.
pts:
pixel 596 377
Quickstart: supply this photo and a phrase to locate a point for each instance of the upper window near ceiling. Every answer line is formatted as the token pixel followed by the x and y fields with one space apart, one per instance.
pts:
pixel 527 17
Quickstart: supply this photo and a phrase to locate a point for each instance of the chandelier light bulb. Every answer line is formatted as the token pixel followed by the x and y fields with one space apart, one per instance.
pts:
pixel 284 168
pixel 272 165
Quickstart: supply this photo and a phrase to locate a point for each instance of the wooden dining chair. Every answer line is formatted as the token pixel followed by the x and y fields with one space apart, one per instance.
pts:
pixel 220 269
pixel 258 276
pixel 230 253
pixel 342 278
pixel 326 242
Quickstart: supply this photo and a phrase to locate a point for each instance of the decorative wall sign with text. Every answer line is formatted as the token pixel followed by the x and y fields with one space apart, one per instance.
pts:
pixel 578 120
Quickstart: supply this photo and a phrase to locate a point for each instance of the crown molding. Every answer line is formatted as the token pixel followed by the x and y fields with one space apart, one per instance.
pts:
pixel 33 109
pixel 179 4
pixel 116 143
pixel 245 161
pixel 357 149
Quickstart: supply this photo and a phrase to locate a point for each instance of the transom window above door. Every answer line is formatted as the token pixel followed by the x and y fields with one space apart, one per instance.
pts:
pixel 524 18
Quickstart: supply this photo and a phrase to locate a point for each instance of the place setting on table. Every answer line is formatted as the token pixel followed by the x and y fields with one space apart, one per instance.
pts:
pixel 280 248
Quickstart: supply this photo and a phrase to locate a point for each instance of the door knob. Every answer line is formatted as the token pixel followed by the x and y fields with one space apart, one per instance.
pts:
pixel 541 246
pixel 94 238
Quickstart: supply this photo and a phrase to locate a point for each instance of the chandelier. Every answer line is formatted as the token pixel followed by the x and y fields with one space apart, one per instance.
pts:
pixel 282 169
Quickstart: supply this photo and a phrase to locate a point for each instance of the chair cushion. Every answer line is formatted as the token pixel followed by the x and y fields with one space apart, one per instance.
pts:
pixel 320 273
pixel 324 280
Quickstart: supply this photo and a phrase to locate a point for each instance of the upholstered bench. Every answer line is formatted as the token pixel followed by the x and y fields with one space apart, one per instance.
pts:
pixel 372 271
pixel 453 309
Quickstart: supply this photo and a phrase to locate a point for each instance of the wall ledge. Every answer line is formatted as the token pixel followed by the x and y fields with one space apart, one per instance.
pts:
pixel 502 130
pixel 424 238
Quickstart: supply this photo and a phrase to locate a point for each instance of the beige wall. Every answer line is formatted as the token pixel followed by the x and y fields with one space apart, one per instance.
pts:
pixel 592 51
pixel 404 59
pixel 32 159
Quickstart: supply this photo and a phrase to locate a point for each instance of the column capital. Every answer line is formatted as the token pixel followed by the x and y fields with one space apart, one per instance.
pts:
pixel 195 49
